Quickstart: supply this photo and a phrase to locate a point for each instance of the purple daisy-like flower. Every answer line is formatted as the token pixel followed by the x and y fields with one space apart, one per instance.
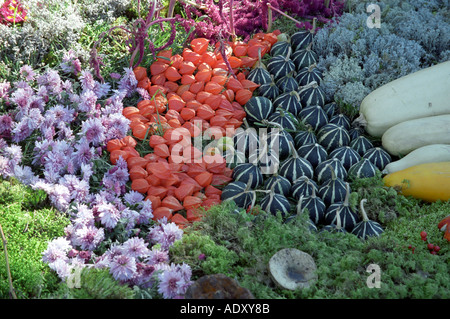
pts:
pixel 87 80
pixel 145 212
pixel 78 188
pixel 56 249
pixel 133 197
pixel 27 72
pixel 23 129
pixel 171 282
pixel 128 82
pixel 109 215
pixel 4 90
pixel 123 267
pixel 87 102
pixel 61 113
pixel 89 237
pixel 94 131
pixel 167 234
pixel 24 174
pixel 136 247
pixel 53 82
pixel 116 126
pixel 6 123
pixel 157 256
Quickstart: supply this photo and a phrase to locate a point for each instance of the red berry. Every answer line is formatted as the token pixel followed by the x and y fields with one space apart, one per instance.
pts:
pixel 410 247
pixel 433 252
pixel 423 234
pixel 437 248
pixel 430 246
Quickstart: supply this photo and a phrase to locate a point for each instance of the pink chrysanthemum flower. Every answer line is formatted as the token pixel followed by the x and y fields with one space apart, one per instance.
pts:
pixel 123 267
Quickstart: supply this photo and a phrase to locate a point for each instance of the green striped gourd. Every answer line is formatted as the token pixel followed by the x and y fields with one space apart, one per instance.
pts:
pixel 239 192
pixel 342 210
pixel 332 136
pixel 314 153
pixel 284 118
pixel 363 169
pixel 309 74
pixel 311 94
pixel 366 227
pixel 280 65
pixel 269 90
pixel 324 174
pixel 259 73
pixel 275 203
pixel 331 109
pixel 314 115
pixel 304 137
pixel 315 206
pixel 341 120
pixel 242 173
pixel 303 186
pixel 280 183
pixel 246 139
pixel 287 83
pixel 301 39
pixel 258 108
pixel 347 155
pixel 296 166
pixel 304 58
pixel 378 156
pixel 281 48
pixel 361 144
pixel 334 190
pixel 289 101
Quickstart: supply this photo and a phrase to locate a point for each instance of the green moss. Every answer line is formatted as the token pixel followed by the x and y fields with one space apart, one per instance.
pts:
pixel 341 258
pixel 27 232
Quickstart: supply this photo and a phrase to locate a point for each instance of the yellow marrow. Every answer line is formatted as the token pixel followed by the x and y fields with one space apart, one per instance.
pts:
pixel 429 181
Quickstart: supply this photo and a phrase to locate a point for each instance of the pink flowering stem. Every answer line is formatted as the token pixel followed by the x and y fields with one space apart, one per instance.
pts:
pixel 282 13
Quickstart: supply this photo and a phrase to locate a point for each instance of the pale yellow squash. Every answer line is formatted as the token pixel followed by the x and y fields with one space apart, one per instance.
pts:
pixel 429 181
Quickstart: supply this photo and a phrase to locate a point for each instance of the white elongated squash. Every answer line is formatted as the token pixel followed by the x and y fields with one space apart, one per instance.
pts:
pixel 433 153
pixel 407 136
pixel 416 95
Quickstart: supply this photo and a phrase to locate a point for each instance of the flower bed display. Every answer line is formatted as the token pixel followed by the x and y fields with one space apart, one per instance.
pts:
pixel 225 143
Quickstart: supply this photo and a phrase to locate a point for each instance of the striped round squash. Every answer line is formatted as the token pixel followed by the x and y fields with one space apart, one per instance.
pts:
pixel 378 156
pixel 260 76
pixel 275 203
pixel 341 120
pixel 315 206
pixel 269 90
pixel 366 227
pixel 334 190
pixel 363 169
pixel 314 115
pixel 304 58
pixel 304 137
pixel 342 210
pixel 246 140
pixel 281 48
pixel 287 83
pixel 289 101
pixel 280 184
pixel 287 120
pixel 280 65
pixel 303 186
pixel 234 158
pixel 280 143
pixel 347 155
pixel 259 73
pixel 361 144
pixel 355 132
pixel 302 39
pixel 314 153
pixel 258 108
pixel 239 192
pixel 331 109
pixel 242 173
pixel 326 169
pixel 332 136
pixel 312 94
pixel 296 166
pixel 309 74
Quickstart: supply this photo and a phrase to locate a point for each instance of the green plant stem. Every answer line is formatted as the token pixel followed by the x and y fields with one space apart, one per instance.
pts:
pixel 11 287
